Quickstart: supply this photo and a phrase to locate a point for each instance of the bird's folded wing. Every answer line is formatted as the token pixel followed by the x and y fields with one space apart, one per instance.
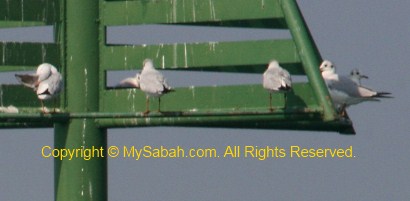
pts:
pixel 27 80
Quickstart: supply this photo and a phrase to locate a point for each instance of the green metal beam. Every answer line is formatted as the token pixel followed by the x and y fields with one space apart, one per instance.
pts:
pixel 35 117
pixel 187 11
pixel 28 54
pixel 240 56
pixel 212 99
pixel 290 119
pixel 278 23
pixel 301 122
pixel 28 11
pixel 17 68
pixel 309 55
pixel 19 125
pixel 79 179
pixel 14 24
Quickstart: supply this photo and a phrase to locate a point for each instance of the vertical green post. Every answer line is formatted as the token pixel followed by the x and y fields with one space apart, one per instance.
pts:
pixel 80 179
pixel 309 55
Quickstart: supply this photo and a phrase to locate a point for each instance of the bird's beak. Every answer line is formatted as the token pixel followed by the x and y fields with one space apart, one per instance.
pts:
pixel 321 70
pixel 364 76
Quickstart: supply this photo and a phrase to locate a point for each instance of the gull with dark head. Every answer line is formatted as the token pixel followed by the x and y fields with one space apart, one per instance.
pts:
pixel 130 82
pixel 357 76
pixel 153 83
pixel 344 91
pixel 276 79
pixel 47 82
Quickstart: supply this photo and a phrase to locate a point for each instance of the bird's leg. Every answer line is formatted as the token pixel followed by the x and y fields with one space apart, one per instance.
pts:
pixel 42 106
pixel 146 106
pixel 342 110
pixel 159 104
pixel 55 105
pixel 270 102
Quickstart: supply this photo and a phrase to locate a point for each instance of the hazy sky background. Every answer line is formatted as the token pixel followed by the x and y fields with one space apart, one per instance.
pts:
pixel 372 35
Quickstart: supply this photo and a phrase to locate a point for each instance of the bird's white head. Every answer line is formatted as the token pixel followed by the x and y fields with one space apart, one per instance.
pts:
pixel 44 71
pixel 148 63
pixel 273 64
pixel 327 66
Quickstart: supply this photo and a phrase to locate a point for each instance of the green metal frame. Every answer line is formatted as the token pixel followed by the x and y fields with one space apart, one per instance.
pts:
pixel 89 107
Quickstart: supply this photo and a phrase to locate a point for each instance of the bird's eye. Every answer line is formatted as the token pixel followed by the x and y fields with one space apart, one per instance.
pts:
pixel 325 65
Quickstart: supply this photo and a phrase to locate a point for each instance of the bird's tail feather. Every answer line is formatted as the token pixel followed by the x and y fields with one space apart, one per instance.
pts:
pixel 383 95
pixel 285 88
pixel 27 80
pixel 168 90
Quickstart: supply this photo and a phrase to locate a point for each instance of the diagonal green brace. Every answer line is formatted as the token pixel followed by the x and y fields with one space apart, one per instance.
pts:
pixel 309 54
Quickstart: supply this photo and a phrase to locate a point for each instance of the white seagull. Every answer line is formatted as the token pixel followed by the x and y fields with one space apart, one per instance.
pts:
pixel 344 91
pixel 47 82
pixel 356 76
pixel 153 83
pixel 276 79
pixel 131 82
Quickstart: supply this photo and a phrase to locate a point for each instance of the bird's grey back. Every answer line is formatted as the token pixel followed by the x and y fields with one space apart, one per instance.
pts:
pixel 349 87
pixel 28 80
pixel 273 78
pixel 152 80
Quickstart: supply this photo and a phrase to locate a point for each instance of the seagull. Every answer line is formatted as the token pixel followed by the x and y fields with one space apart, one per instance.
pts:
pixel 276 79
pixel 131 82
pixel 356 76
pixel 47 82
pixel 344 91
pixel 153 83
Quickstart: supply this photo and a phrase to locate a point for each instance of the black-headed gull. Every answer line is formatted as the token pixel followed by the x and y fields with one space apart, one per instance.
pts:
pixel 131 82
pixel 276 79
pixel 356 76
pixel 153 83
pixel 47 82
pixel 344 91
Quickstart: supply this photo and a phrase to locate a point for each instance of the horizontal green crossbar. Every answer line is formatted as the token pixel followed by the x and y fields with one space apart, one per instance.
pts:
pixel 22 55
pixel 187 11
pixel 293 122
pixel 44 12
pixel 290 119
pixel 29 124
pixel 17 68
pixel 13 24
pixel 243 56
pixel 278 23
pixel 239 98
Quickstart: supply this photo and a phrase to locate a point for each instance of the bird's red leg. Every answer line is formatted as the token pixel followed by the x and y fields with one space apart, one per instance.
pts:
pixel 343 110
pixel 159 104
pixel 42 106
pixel 55 105
pixel 146 106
